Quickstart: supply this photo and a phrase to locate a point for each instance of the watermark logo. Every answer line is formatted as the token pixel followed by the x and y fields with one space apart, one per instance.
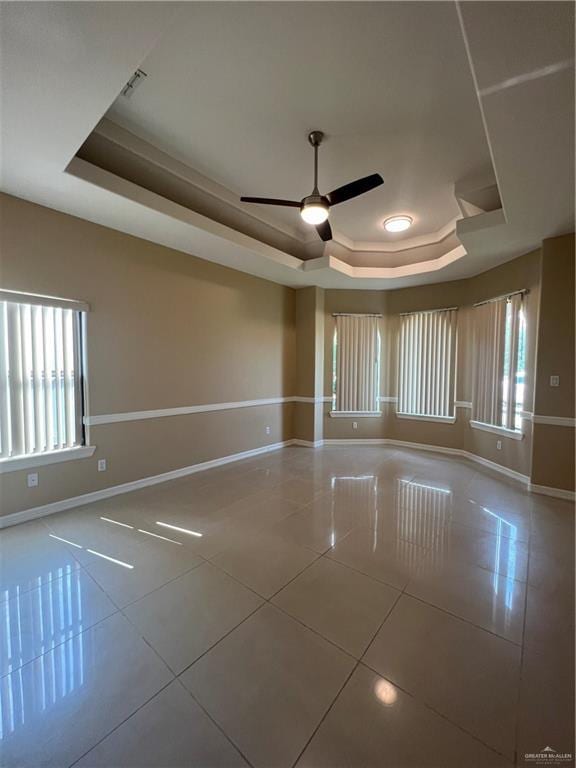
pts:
pixel 548 756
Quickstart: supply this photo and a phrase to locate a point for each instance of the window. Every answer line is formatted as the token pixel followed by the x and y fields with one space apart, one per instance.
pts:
pixel 500 355
pixel 41 401
pixel 426 364
pixel 356 365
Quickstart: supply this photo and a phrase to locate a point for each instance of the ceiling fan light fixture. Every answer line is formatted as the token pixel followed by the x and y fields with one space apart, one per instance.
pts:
pixel 314 213
pixel 398 223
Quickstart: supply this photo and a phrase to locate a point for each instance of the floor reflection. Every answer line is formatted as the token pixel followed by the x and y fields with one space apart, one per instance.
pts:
pixel 55 614
pixel 505 556
pixel 424 515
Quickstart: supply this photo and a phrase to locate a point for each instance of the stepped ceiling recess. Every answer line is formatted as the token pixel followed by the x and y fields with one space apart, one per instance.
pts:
pixel 464 109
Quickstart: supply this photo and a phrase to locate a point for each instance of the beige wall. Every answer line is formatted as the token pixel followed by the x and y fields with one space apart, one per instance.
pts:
pixel 309 363
pixel 520 273
pixel 168 330
pixel 165 330
pixel 553 457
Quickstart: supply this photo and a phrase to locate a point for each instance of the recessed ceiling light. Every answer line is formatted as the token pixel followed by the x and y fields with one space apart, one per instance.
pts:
pixel 397 223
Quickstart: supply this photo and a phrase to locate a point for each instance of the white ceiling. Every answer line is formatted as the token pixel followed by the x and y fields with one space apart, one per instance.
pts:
pixel 64 64
pixel 234 88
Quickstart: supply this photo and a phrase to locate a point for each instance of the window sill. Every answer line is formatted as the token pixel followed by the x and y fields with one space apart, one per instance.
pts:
pixel 424 417
pixel 503 431
pixel 42 459
pixel 355 414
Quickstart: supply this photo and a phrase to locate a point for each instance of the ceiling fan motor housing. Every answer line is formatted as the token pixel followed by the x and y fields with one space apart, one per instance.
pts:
pixel 315 200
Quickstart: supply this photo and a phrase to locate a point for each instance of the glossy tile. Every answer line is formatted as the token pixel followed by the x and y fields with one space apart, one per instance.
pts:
pixel 60 705
pixel 552 570
pixel 546 707
pixel 390 560
pixel 36 621
pixel 479 596
pixel 444 574
pixel 550 621
pixel 170 731
pixel 263 562
pixel 494 552
pixel 268 684
pixel 343 605
pixel 135 573
pixel 466 674
pixel 317 527
pixel 506 523
pixel 27 555
pixel 373 723
pixel 184 618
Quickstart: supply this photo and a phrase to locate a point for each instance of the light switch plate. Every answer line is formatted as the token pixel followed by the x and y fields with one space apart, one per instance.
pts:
pixel 554 381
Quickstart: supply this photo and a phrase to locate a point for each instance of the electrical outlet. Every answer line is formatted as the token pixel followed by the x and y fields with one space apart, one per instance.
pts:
pixel 32 480
pixel 354 425
pixel 101 465
pixel 268 429
pixel 498 445
pixel 554 381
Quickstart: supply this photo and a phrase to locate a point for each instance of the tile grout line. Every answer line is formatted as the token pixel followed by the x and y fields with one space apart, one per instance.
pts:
pixel 325 715
pixel 522 652
pixel 424 703
pixel 115 728
pixel 269 601
pixel 213 720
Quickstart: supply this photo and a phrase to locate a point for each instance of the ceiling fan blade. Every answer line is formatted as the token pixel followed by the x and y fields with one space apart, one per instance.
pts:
pixel 355 188
pixel 270 201
pixel 324 230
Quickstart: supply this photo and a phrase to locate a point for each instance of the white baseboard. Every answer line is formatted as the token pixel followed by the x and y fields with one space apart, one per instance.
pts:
pixel 427 447
pixel 558 493
pixel 115 490
pixel 308 443
pixel 524 479
pixel 358 441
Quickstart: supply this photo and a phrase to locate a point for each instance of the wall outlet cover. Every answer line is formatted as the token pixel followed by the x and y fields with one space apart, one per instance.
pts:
pixel 554 381
pixel 32 480
pixel 354 425
pixel 101 465
pixel 498 445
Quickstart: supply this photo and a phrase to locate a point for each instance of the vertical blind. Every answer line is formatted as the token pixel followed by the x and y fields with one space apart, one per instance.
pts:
pixel 426 369
pixel 496 346
pixel 40 395
pixel 357 363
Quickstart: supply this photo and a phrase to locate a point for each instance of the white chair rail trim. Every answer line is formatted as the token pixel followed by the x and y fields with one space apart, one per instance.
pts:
pixel 556 421
pixel 159 413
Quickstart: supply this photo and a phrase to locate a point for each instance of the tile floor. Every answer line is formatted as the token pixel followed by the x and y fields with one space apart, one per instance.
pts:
pixel 361 607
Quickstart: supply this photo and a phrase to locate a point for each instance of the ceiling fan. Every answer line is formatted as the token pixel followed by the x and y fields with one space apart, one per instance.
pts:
pixel 315 208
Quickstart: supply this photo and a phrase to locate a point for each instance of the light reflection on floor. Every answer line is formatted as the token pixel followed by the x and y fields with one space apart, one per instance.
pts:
pixel 57 617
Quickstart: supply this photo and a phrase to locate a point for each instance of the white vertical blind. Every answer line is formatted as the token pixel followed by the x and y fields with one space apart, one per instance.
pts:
pixel 357 363
pixel 497 327
pixel 40 398
pixel 427 363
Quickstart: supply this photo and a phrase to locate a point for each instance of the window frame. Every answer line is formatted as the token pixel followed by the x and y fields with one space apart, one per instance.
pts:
pixel 452 346
pixel 378 376
pixel 82 449
pixel 521 326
